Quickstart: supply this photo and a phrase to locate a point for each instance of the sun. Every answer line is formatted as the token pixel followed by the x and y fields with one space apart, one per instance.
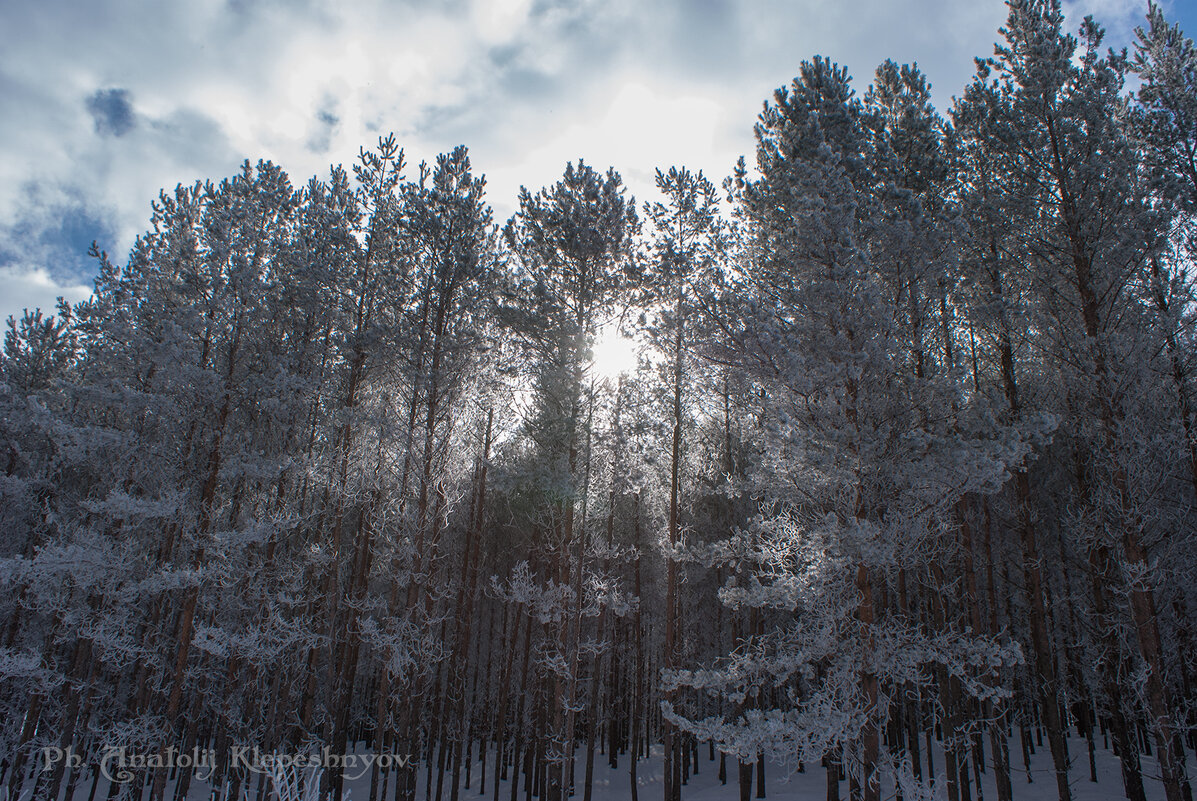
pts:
pixel 613 354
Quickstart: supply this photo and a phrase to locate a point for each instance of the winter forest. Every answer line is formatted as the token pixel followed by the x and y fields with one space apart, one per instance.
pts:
pixel 872 465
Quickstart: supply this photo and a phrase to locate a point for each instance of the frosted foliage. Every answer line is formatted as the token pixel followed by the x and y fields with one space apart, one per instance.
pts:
pixel 293 783
pixel 892 441
pixel 816 657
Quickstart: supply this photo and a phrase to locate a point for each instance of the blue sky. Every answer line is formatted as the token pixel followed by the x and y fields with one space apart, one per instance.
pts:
pixel 103 104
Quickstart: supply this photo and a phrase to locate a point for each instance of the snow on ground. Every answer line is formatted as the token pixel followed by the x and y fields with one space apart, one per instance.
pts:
pixel 812 785
pixel 613 785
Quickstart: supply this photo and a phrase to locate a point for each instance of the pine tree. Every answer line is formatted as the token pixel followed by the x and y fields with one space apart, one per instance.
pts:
pixel 1076 168
pixel 861 480
pixel 574 244
pixel 686 243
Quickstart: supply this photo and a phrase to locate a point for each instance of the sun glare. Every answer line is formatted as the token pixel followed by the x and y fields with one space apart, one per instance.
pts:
pixel 614 354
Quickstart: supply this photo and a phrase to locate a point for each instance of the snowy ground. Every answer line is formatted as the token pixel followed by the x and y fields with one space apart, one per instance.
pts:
pixel 812 785
pixel 613 785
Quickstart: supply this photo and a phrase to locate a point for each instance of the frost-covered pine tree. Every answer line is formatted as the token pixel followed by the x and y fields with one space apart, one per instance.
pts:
pixel 574 244
pixel 1060 123
pixel 862 475
pixel 686 236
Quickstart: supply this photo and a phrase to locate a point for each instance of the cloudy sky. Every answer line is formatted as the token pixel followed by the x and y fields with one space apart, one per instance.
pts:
pixel 104 103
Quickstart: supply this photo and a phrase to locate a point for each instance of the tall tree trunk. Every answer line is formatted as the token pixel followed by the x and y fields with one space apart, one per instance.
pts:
pixel 1142 599
pixel 870 746
pixel 672 783
pixel 1049 690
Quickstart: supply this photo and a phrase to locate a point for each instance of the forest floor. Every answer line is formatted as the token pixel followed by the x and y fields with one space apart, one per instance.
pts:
pixel 613 785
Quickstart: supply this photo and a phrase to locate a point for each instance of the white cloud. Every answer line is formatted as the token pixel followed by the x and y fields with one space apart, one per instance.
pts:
pixel 640 125
pixel 1118 17
pixel 526 84
pixel 499 21
pixel 24 287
